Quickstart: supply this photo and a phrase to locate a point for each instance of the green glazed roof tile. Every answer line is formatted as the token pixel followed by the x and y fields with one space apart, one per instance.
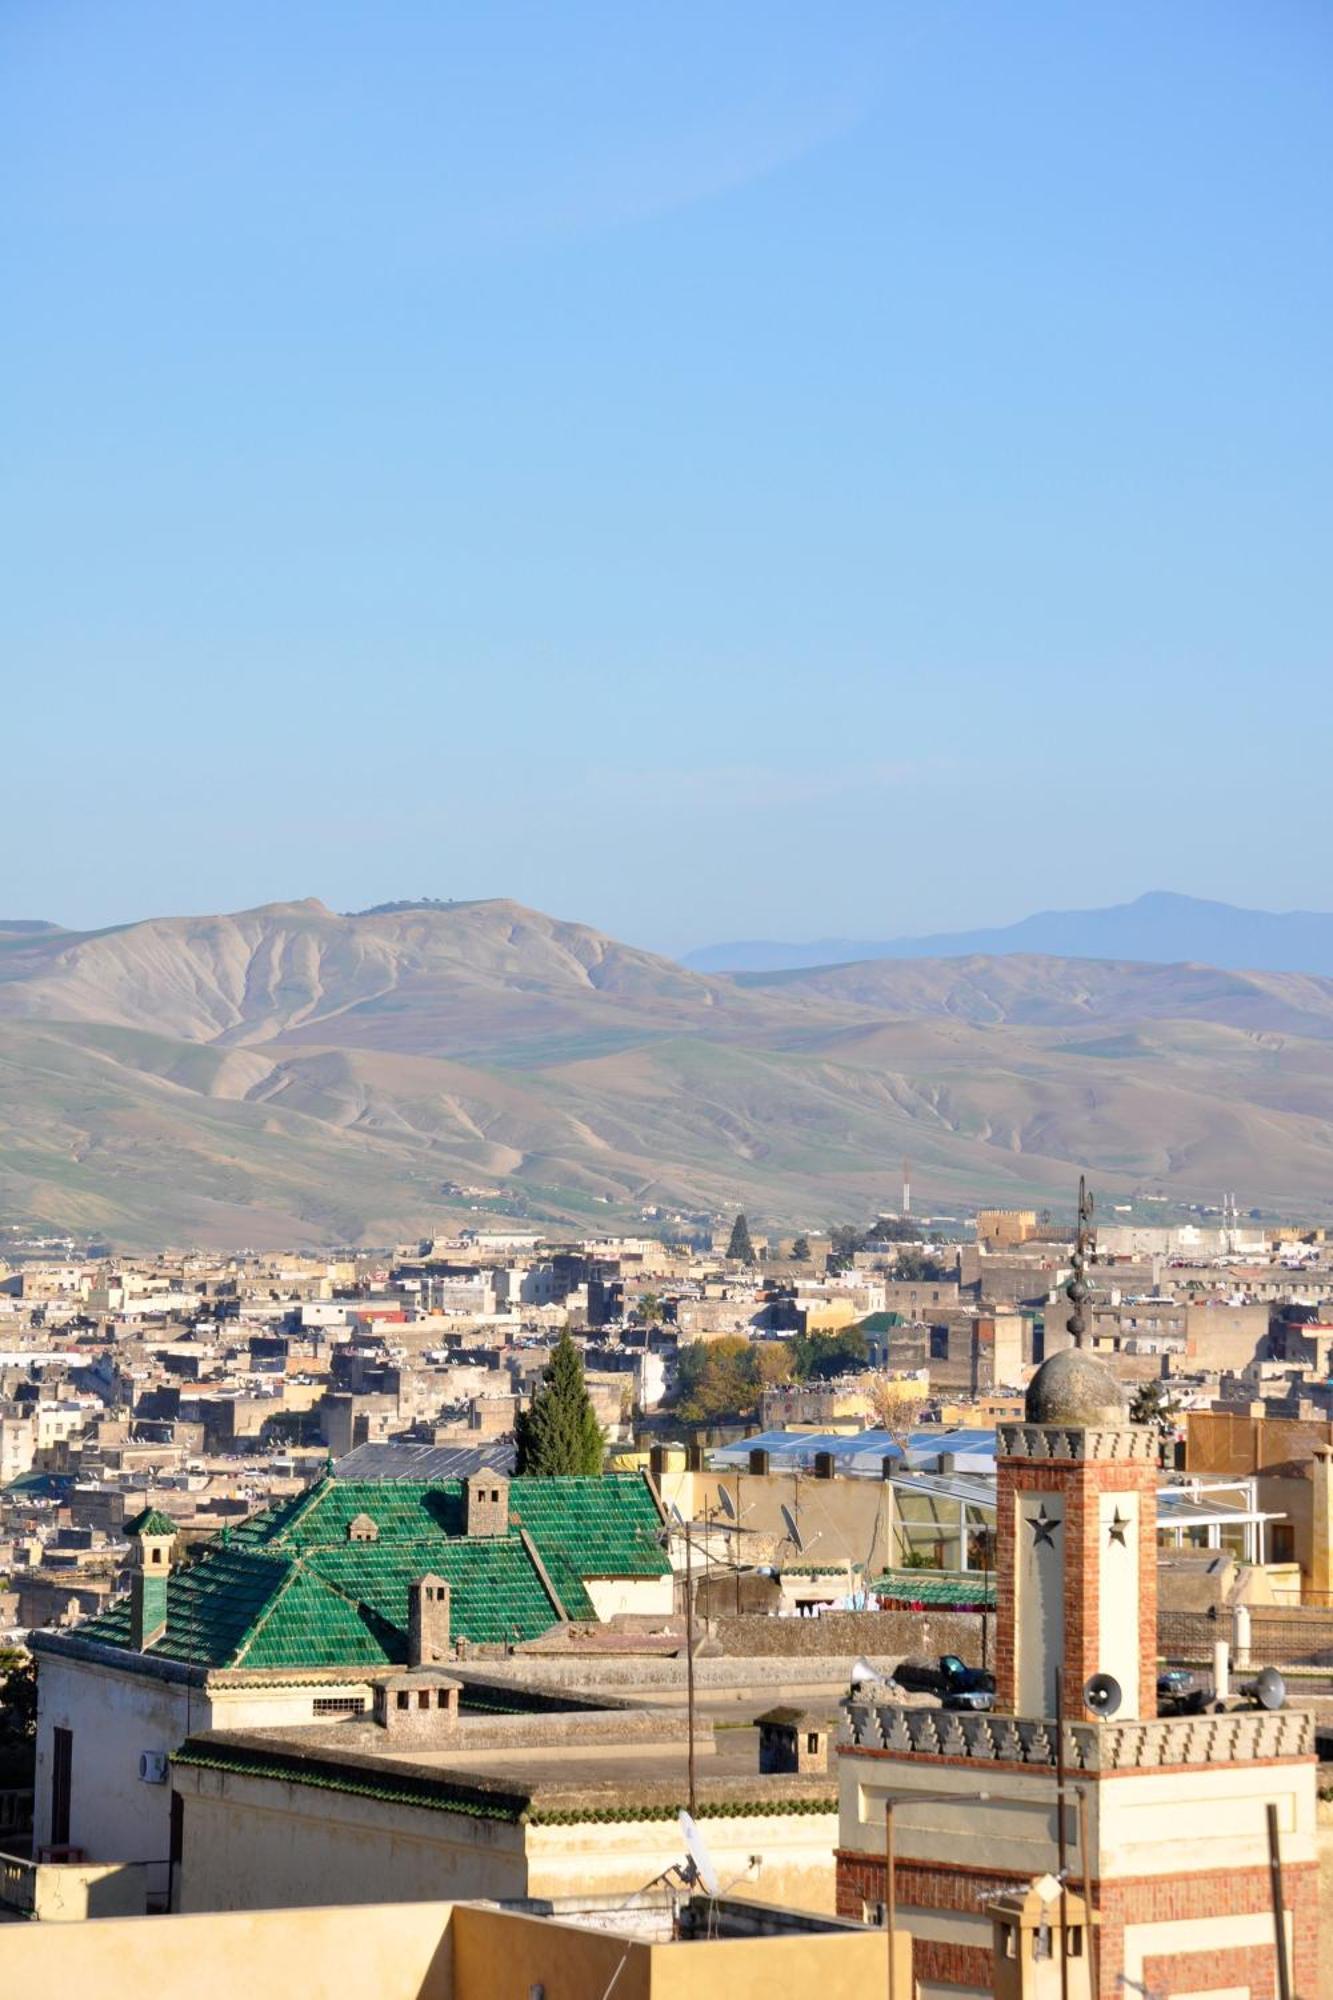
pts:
pixel 287 1588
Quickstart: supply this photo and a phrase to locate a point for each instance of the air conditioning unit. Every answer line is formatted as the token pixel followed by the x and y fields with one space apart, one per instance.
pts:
pixel 153 1767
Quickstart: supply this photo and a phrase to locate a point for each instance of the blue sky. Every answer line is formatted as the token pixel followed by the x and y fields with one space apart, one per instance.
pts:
pixel 709 470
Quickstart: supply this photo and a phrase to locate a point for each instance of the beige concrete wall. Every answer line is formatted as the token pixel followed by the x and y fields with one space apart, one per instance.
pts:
pixel 254 1843
pixel 425 1951
pixel 648 1597
pixel 114 1716
pixel 794 1854
pixel 1140 1822
pixel 502 1957
pixel 114 1815
pixel 841 1520
pixel 396 1953
pixel 258 1843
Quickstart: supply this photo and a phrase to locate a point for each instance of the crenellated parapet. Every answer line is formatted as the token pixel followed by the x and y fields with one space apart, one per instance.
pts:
pixel 1238 1736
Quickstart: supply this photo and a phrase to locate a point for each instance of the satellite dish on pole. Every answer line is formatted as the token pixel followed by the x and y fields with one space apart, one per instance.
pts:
pixel 701 1861
pixel 726 1503
pixel 1102 1694
pixel 862 1671
pixel 1270 1690
pixel 793 1532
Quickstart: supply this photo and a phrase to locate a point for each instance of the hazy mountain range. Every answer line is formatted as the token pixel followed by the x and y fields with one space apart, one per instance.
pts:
pixel 287 1076
pixel 1156 929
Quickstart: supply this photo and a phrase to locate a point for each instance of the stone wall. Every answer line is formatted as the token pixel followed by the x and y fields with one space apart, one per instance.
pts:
pixel 882 1634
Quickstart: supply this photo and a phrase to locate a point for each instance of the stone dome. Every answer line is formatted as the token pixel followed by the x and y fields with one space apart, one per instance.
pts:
pixel 1075 1388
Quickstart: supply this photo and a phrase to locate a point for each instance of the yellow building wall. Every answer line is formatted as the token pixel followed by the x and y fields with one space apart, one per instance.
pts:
pixel 498 1956
pixel 399 1952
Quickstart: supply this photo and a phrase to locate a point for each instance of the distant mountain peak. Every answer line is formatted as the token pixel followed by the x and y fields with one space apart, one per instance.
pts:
pixel 1160 927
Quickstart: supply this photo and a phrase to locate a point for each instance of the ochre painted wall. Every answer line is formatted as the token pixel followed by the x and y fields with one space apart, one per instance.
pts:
pixel 394 1952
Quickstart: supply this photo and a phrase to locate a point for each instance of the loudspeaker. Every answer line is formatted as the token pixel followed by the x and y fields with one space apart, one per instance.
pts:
pixel 1102 1695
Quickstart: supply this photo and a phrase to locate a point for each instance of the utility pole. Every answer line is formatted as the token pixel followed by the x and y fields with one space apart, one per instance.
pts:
pixel 1279 1907
pixel 689 1669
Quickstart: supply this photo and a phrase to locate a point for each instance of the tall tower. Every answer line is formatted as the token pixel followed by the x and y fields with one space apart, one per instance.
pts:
pixel 1163 1818
pixel 907 1187
pixel 1076 1530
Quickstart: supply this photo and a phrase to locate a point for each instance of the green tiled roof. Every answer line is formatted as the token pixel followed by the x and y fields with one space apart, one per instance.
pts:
pixel 934 1586
pixel 150 1522
pixel 288 1589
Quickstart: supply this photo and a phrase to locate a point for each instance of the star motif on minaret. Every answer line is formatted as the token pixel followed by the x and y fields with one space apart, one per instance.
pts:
pixel 1043 1526
pixel 1116 1527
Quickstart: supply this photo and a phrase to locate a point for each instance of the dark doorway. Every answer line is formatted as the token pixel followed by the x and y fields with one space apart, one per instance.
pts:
pixel 62 1760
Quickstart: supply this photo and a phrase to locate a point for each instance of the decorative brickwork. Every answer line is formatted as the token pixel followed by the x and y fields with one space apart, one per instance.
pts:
pixel 1152 1899
pixel 1080 1481
pixel 1078 1443
pixel 953 1964
pixel 1165 1899
pixel 1242 1966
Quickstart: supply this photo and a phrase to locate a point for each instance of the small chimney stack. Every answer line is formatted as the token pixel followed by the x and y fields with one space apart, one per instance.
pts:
pixel 486 1504
pixel 428 1618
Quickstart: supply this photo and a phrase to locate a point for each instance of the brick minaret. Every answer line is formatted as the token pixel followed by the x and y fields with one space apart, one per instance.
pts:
pixel 1076 1532
pixel 1176 1807
pixel 1076 1566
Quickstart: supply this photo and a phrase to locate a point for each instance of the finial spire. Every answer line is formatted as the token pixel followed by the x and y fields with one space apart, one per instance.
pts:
pixel 1076 1291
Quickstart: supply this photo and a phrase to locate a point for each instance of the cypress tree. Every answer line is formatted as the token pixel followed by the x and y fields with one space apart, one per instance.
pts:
pixel 740 1249
pixel 559 1434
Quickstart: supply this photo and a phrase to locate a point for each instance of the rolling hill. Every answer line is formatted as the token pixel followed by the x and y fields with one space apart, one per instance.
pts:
pixel 290 1076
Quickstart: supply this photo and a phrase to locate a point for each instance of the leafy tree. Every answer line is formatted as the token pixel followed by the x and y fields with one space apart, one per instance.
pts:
pixel 716 1378
pixel 893 1229
pixel 845 1239
pixel 800 1250
pixel 18 1698
pixel 919 1267
pixel 559 1433
pixel 740 1249
pixel 649 1308
pixel 817 1357
pixel 771 1360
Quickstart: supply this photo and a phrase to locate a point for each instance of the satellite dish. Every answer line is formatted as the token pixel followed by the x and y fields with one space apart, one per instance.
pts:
pixel 793 1532
pixel 1102 1694
pixel 726 1503
pixel 1270 1690
pixel 701 1861
pixel 862 1671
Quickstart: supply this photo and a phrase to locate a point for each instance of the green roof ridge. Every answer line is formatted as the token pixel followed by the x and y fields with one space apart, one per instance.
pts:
pixel 149 1521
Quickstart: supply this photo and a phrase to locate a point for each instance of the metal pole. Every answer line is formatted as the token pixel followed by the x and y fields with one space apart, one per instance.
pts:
pixel 891 1898
pixel 1061 1848
pixel 689 1667
pixel 1090 1927
pixel 1279 1907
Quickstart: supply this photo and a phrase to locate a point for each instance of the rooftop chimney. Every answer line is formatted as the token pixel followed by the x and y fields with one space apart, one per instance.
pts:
pixel 428 1616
